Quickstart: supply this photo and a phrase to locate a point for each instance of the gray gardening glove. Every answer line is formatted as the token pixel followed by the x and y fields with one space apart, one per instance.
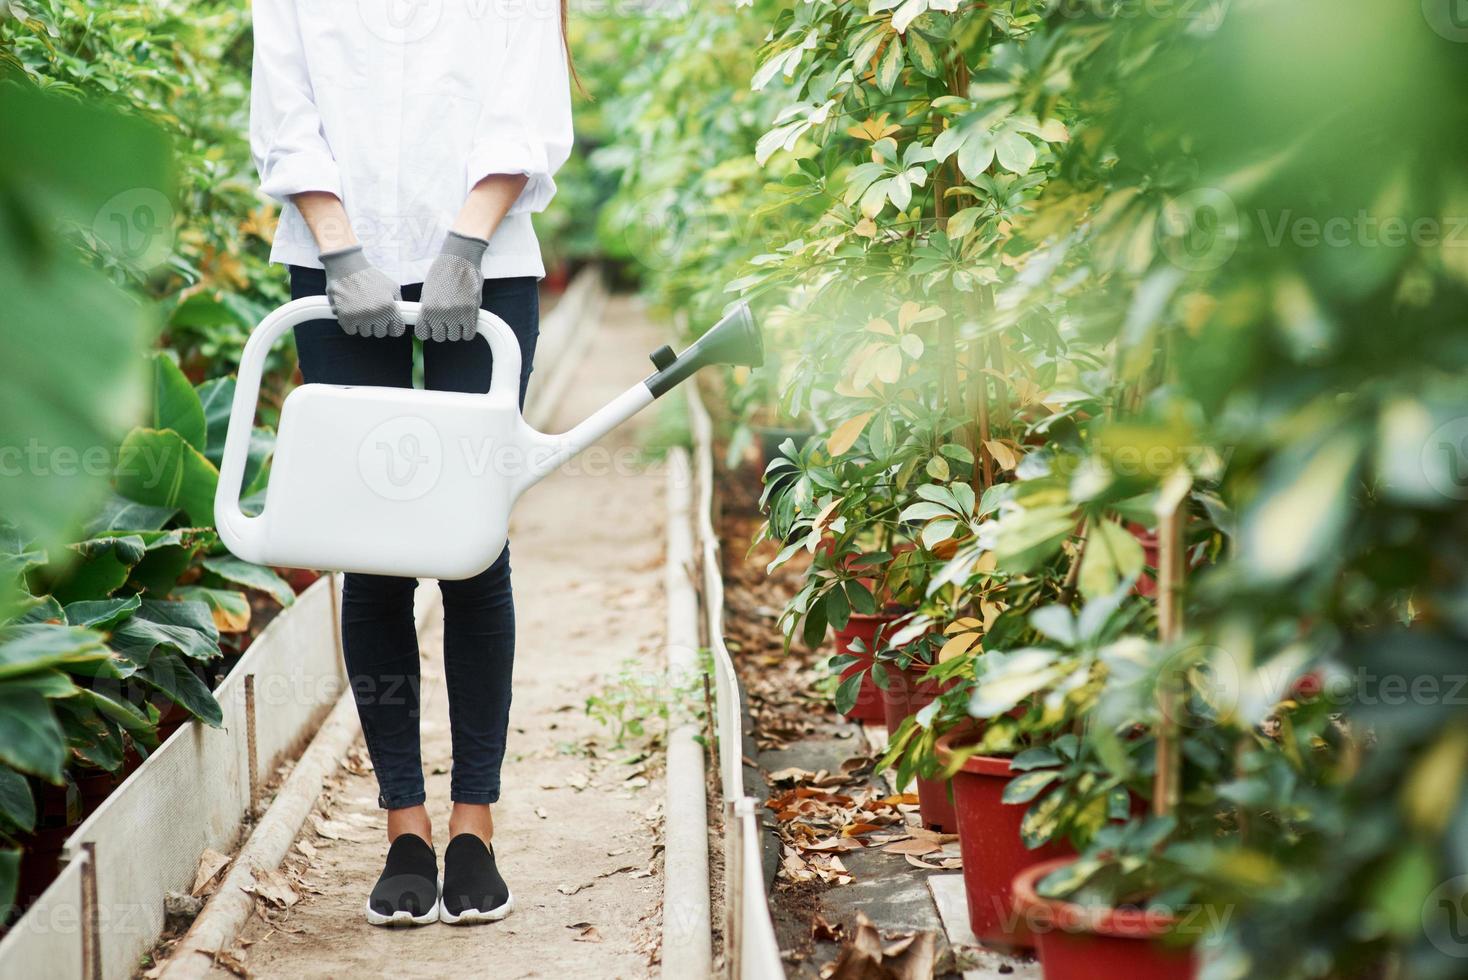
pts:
pixel 453 290
pixel 362 297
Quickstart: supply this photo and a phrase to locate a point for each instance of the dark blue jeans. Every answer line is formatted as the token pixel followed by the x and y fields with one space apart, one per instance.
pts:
pixel 378 635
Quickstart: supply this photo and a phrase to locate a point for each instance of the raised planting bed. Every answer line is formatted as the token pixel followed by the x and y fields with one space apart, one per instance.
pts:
pixel 99 917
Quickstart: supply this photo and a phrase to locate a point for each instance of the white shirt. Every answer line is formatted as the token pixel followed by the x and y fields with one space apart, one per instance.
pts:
pixel 399 107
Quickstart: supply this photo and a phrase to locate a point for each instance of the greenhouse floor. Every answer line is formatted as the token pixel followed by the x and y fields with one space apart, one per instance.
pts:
pixel 578 830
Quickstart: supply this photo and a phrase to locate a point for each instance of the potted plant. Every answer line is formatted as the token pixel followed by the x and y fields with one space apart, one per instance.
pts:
pixel 1028 783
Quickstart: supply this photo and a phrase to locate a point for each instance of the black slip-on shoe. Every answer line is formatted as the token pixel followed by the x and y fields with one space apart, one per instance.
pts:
pixel 473 890
pixel 407 892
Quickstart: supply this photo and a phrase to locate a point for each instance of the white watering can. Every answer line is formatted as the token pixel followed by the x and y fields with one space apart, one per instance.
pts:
pixel 401 481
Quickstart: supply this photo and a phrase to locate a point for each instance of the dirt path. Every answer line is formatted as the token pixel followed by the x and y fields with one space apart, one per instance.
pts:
pixel 576 817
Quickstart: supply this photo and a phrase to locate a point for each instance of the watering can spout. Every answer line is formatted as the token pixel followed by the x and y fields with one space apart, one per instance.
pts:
pixel 735 339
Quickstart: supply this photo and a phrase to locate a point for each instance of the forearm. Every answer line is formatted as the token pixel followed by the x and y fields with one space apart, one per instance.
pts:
pixel 327 220
pixel 487 204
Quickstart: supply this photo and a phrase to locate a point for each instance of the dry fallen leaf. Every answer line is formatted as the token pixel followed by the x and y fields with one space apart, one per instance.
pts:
pixel 338 830
pixel 274 888
pixel 306 849
pixel 792 774
pixel 909 957
pixel 585 932
pixel 822 930
pixel 617 871
pixel 211 866
pixel 573 889
pixel 912 847
pixel 232 960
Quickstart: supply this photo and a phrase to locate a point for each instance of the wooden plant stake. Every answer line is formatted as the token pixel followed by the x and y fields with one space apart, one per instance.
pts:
pixel 1166 786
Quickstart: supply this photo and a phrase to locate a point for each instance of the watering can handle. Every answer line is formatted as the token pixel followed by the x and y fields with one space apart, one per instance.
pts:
pixel 243 534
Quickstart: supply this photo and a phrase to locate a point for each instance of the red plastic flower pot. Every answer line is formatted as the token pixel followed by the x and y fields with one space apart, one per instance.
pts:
pixel 989 838
pixel 908 693
pixel 868 707
pixel 1078 942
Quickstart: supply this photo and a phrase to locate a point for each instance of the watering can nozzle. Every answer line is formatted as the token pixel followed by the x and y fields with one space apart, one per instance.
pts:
pixel 735 339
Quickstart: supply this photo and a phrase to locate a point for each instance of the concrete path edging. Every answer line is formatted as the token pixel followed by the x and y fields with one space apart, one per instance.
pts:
pixel 687 917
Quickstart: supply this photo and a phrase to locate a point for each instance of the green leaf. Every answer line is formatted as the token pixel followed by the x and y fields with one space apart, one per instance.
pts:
pixel 975 153
pixel 159 468
pixel 33 648
pixel 924 54
pixel 187 627
pixel 101 614
pixel 17 805
pixel 171 675
pixel 848 691
pixel 937 531
pixel 30 738
pixel 963 222
pixel 1112 554
pixel 1016 154
pixel 74 385
pixel 39 609
pixel 1057 623
pixel 216 396
pixel 231 609
pixel 103 567
pixel 9 876
pixel 251 576
pixel 956 452
pixel 127 715
pixel 814 628
pixel 117 513
pixel 889 69
pixel 175 405
pixel 924 510
pixel 1025 787
pixel 860 597
pixel 1009 678
pixel 1298 515
pixel 1035 758
pixel 1031 537
pixel 838 608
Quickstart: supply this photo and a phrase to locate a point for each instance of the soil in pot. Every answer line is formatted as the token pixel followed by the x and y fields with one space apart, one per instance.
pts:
pixel 868 707
pixel 993 851
pixel 906 694
pixel 1078 942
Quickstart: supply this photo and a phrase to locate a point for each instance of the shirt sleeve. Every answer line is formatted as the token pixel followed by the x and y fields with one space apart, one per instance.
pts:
pixel 287 139
pixel 525 123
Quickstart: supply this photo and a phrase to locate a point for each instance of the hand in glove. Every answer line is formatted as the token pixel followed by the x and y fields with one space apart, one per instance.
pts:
pixel 453 290
pixel 363 298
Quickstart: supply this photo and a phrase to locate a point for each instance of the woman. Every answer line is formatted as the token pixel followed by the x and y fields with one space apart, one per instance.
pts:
pixel 408 142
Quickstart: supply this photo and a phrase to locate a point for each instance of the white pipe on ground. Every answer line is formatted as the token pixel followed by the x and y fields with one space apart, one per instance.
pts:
pixel 687 919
